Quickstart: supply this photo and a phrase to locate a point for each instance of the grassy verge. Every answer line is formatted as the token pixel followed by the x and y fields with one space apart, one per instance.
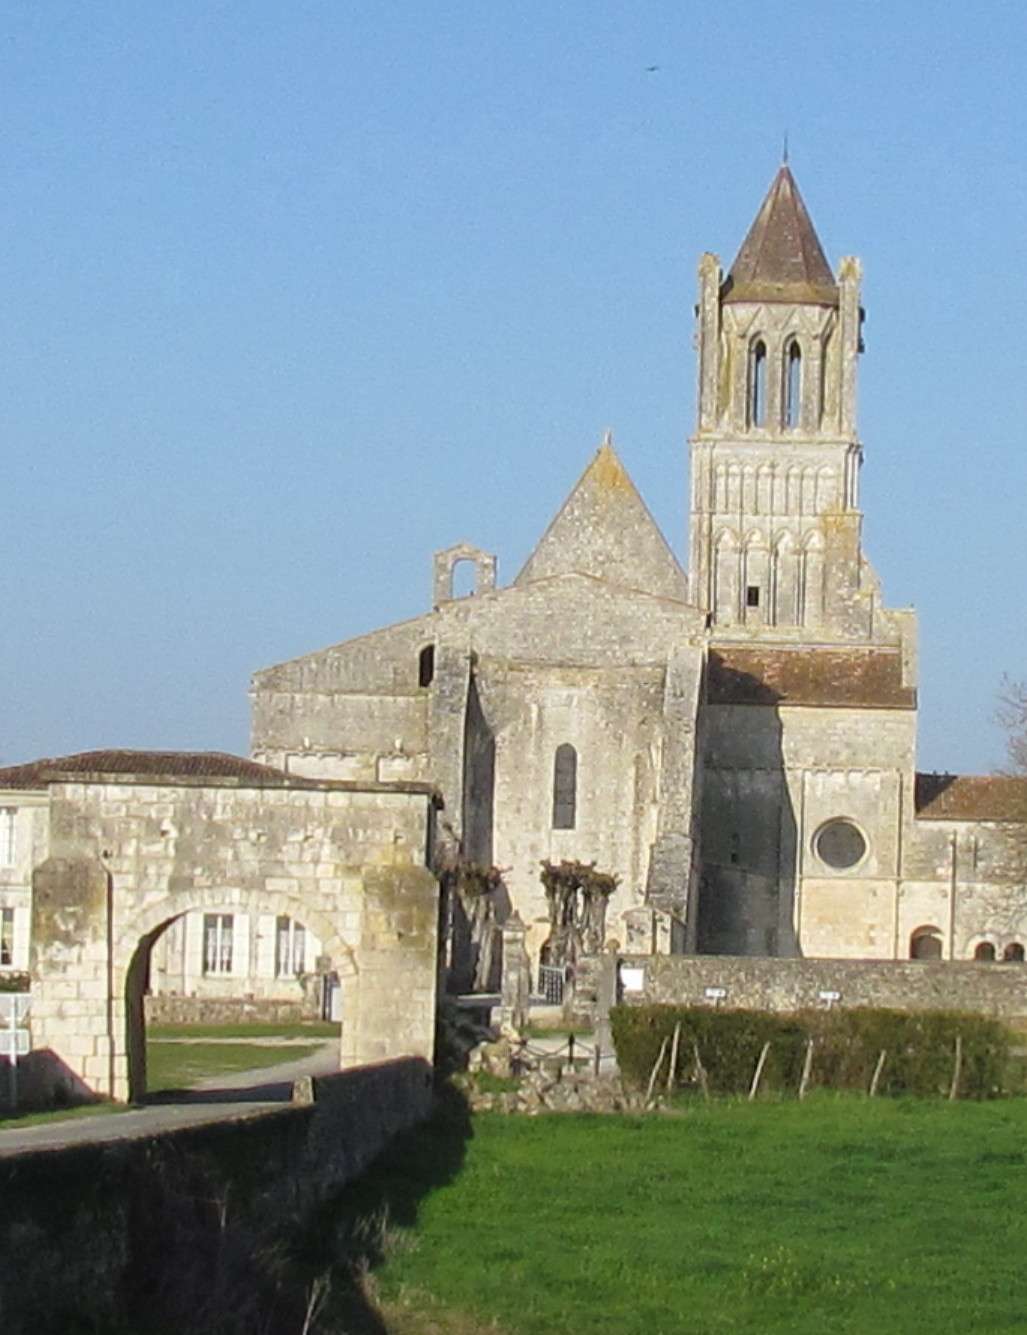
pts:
pixel 60 1115
pixel 837 1215
pixel 177 1066
pixel 314 1030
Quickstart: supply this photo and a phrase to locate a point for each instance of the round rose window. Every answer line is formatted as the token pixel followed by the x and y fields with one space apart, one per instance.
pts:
pixel 840 844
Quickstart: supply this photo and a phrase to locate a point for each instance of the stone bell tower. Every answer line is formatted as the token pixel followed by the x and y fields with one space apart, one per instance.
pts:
pixel 775 519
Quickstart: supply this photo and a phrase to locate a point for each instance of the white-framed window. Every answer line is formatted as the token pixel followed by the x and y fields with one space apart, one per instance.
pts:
pixel 6 938
pixel 290 947
pixel 8 845
pixel 217 943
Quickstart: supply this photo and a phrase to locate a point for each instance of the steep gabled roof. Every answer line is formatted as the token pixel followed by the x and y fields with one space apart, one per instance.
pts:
pixel 605 530
pixel 782 259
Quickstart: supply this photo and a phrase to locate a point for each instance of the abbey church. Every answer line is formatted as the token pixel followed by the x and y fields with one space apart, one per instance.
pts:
pixel 733 749
pixel 736 744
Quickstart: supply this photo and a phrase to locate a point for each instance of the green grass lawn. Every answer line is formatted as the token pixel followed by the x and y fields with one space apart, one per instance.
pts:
pixel 312 1029
pixel 178 1065
pixel 834 1215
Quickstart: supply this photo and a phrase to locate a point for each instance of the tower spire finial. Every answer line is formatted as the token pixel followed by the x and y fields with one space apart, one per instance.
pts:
pixel 784 151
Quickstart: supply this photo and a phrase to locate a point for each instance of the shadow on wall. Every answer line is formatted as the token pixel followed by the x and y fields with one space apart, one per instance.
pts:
pixel 264 1224
pixel 354 1229
pixel 749 831
pixel 45 1081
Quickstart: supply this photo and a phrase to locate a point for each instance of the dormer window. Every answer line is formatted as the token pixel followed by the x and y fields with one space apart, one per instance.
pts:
pixel 793 385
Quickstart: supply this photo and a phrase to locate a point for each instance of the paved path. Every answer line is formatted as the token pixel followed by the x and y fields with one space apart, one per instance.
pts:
pixel 215 1099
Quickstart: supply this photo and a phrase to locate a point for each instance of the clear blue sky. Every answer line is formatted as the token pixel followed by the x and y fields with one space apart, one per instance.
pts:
pixel 292 295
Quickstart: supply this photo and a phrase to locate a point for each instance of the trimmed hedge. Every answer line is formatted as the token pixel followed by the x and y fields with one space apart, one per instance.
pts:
pixel 920 1048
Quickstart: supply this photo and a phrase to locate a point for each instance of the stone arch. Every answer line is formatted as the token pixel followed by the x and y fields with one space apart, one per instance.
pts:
pixel 749 498
pixel 757 383
pixel 827 483
pixel 92 937
pixel 793 490
pixel 725 575
pixel 755 593
pixel 445 564
pixel 765 489
pixel 808 504
pixel 135 938
pixel 792 386
pixel 925 943
pixel 785 580
pixel 811 595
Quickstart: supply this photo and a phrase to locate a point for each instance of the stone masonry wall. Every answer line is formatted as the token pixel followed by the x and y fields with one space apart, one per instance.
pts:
pixel 125 859
pixel 192 1229
pixel 787 985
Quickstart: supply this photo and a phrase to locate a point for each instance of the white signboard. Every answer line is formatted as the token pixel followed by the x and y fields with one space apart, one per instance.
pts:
pixel 14 1006
pixel 716 993
pixel 632 978
pixel 830 996
pixel 21 1042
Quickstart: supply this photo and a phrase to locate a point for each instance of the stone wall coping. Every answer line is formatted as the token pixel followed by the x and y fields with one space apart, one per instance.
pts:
pixel 414 788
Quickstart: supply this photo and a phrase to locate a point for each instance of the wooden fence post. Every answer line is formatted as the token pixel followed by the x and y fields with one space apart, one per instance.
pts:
pixel 655 1071
pixel 875 1081
pixel 700 1072
pixel 754 1087
pixel 673 1069
pixel 807 1067
pixel 957 1066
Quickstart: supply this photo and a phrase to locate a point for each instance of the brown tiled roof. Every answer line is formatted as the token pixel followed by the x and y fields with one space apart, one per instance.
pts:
pixel 997 797
pixel 870 678
pixel 782 259
pixel 143 764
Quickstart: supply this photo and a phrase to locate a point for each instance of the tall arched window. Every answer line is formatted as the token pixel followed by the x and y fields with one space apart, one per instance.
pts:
pixel 793 385
pixel 758 384
pixel 565 787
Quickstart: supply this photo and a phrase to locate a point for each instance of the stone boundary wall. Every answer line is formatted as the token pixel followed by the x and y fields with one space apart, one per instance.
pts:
pixel 998 990
pixel 228 1010
pixel 184 1230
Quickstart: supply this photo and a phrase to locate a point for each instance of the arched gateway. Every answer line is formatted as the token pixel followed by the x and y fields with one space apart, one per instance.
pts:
pixel 123 844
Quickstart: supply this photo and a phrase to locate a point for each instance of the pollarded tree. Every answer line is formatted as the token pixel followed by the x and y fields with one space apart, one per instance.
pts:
pixel 576 895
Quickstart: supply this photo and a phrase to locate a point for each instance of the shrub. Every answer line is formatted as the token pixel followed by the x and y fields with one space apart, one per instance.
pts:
pixel 919 1046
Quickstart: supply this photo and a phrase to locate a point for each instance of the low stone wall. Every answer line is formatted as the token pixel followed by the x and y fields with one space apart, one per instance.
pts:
pixel 999 990
pixel 190 1230
pixel 228 1010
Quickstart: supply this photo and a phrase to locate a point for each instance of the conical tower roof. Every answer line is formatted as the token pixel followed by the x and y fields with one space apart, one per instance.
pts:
pixel 605 530
pixel 782 259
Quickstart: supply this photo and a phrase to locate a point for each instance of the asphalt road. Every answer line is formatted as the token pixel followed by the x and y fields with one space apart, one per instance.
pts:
pixel 215 1099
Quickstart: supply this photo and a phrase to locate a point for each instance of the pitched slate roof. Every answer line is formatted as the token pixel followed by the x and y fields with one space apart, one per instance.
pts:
pixel 142 764
pixel 605 530
pixel 781 258
pixel 998 797
pixel 839 678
